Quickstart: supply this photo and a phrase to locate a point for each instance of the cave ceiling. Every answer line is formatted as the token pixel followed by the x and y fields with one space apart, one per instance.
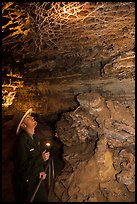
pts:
pixel 66 37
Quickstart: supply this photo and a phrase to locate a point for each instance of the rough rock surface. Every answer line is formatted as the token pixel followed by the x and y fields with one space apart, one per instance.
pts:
pixel 108 172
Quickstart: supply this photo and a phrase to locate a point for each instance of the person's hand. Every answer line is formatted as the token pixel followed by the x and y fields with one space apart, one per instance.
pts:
pixel 42 175
pixel 45 155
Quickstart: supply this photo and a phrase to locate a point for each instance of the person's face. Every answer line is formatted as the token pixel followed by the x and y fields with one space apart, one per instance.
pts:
pixel 30 122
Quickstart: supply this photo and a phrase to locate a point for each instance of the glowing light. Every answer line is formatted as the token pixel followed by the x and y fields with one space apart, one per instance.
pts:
pixel 48 144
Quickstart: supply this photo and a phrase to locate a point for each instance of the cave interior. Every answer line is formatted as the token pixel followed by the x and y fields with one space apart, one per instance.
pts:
pixel 74 64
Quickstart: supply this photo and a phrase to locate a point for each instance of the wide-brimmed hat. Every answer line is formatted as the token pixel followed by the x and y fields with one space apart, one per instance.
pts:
pixel 18 119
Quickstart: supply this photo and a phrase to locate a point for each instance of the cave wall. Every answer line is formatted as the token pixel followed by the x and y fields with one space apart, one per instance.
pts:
pixel 99 139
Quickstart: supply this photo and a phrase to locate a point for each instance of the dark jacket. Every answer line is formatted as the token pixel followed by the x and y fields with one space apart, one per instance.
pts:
pixel 28 163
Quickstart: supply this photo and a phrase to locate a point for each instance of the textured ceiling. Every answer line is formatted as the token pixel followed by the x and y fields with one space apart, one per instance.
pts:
pixel 49 36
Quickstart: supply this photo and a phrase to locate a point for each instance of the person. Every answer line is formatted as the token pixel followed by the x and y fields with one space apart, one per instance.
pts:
pixel 45 131
pixel 28 160
pixel 49 139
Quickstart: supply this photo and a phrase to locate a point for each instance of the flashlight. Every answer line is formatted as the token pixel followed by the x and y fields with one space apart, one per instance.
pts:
pixel 47 144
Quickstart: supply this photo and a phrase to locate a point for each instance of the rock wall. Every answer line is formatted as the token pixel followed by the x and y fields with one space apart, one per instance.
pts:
pixel 99 139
